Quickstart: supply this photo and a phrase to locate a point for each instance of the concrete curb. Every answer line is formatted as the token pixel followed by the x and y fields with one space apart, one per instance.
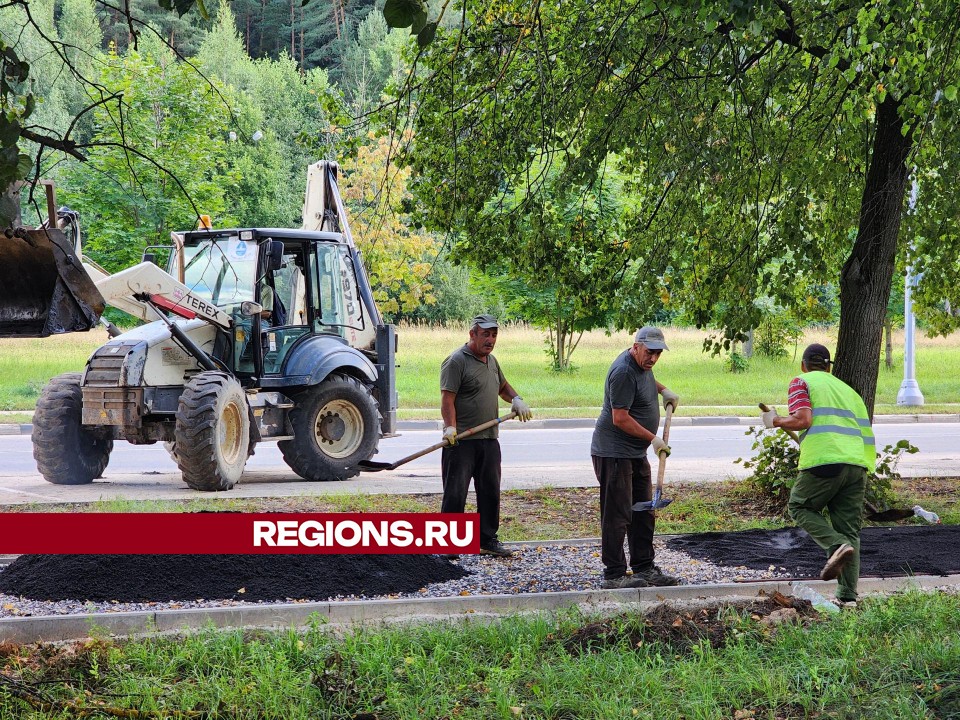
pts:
pixel 74 627
pixel 576 423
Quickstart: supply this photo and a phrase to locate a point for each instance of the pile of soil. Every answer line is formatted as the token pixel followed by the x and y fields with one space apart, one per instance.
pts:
pixel 252 578
pixel 680 628
pixel 884 551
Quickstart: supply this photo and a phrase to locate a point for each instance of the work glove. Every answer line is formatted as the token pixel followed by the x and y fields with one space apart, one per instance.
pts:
pixel 670 398
pixel 522 410
pixel 768 417
pixel 659 446
pixel 450 435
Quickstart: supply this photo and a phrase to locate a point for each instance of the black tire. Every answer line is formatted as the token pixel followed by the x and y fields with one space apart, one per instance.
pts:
pixel 336 425
pixel 67 451
pixel 212 432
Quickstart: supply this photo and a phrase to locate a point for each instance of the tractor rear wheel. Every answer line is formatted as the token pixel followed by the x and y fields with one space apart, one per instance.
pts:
pixel 67 451
pixel 336 425
pixel 212 432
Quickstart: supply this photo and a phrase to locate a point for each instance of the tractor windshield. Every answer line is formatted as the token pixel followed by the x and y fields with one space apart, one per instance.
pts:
pixel 221 270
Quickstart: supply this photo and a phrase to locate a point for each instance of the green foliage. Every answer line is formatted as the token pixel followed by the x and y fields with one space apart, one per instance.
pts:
pixel 396 253
pixel 736 363
pixel 775 334
pixel 774 467
pixel 777 456
pixel 459 296
pixel 160 160
pixel 743 130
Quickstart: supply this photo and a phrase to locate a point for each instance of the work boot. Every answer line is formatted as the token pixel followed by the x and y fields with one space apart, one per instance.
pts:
pixel 624 581
pixel 845 604
pixel 653 576
pixel 841 556
pixel 497 548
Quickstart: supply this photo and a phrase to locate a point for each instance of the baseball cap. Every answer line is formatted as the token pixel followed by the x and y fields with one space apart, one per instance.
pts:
pixel 652 337
pixel 816 354
pixel 484 322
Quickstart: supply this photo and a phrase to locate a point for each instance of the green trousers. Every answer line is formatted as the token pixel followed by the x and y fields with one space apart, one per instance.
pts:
pixel 842 496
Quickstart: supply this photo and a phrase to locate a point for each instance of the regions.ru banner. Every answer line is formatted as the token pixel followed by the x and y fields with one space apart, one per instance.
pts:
pixel 238 533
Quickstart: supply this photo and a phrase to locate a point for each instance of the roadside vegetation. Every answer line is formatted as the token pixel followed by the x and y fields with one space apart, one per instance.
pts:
pixel 892 658
pixel 704 382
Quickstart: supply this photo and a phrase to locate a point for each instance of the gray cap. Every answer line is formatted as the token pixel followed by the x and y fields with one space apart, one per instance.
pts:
pixel 484 322
pixel 651 337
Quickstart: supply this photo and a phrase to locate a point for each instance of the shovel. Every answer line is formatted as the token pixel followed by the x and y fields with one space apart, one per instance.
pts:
pixel 658 501
pixel 371 466
pixel 873 513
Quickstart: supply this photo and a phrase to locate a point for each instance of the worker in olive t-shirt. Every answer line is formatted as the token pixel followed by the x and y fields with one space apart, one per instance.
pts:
pixel 471 384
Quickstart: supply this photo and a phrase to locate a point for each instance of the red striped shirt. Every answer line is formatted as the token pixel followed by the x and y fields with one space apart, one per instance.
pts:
pixel 798 396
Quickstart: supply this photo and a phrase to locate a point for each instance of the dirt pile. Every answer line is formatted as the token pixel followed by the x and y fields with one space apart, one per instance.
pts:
pixel 680 629
pixel 884 551
pixel 252 578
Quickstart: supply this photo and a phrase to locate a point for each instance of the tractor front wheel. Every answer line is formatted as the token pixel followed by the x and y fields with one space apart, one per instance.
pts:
pixel 336 425
pixel 67 451
pixel 212 432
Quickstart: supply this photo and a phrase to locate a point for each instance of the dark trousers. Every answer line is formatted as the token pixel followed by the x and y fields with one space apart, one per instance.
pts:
pixel 623 482
pixel 842 496
pixel 479 460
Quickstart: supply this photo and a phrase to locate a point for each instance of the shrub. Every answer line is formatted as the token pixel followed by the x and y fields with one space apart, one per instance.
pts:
pixel 736 363
pixel 775 469
pixel 775 334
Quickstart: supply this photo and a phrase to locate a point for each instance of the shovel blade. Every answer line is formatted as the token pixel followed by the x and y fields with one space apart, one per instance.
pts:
pixel 372 466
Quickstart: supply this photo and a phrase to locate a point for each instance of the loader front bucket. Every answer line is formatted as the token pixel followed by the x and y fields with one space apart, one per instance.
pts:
pixel 44 289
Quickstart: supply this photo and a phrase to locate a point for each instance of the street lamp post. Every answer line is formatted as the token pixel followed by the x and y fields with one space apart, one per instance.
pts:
pixel 909 393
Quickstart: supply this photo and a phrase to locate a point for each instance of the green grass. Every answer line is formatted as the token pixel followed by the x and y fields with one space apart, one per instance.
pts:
pixel 704 384
pixel 892 658
pixel 26 364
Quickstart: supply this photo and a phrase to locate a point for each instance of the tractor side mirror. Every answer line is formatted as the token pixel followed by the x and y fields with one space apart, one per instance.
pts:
pixel 274 255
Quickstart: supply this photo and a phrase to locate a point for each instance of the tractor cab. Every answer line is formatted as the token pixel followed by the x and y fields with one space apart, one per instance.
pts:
pixel 278 286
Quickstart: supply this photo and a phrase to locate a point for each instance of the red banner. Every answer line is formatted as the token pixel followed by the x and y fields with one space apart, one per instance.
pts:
pixel 238 533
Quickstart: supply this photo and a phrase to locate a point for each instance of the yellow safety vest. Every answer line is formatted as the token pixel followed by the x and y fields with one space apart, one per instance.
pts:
pixel 841 431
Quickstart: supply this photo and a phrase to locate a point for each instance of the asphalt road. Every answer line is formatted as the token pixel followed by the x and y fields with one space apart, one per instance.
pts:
pixel 538 457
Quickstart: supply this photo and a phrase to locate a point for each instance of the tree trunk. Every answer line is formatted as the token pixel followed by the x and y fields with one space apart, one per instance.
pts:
pixel 867 274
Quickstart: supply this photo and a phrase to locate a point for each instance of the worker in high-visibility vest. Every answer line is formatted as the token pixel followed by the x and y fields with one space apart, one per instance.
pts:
pixel 837 450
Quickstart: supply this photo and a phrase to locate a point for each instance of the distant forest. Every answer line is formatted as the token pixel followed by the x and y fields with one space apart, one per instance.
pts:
pixel 315 34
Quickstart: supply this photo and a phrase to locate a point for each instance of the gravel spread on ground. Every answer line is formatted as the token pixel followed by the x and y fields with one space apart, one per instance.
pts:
pixel 533 569
pixel 82 584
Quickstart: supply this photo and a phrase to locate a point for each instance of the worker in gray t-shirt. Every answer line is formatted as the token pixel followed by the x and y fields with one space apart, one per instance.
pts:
pixel 471 384
pixel 627 426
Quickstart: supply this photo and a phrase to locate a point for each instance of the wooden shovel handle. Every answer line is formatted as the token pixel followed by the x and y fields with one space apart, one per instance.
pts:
pixel 443 443
pixel 663 456
pixel 791 433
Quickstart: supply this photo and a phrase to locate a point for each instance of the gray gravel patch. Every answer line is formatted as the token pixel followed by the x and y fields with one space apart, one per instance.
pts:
pixel 533 569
